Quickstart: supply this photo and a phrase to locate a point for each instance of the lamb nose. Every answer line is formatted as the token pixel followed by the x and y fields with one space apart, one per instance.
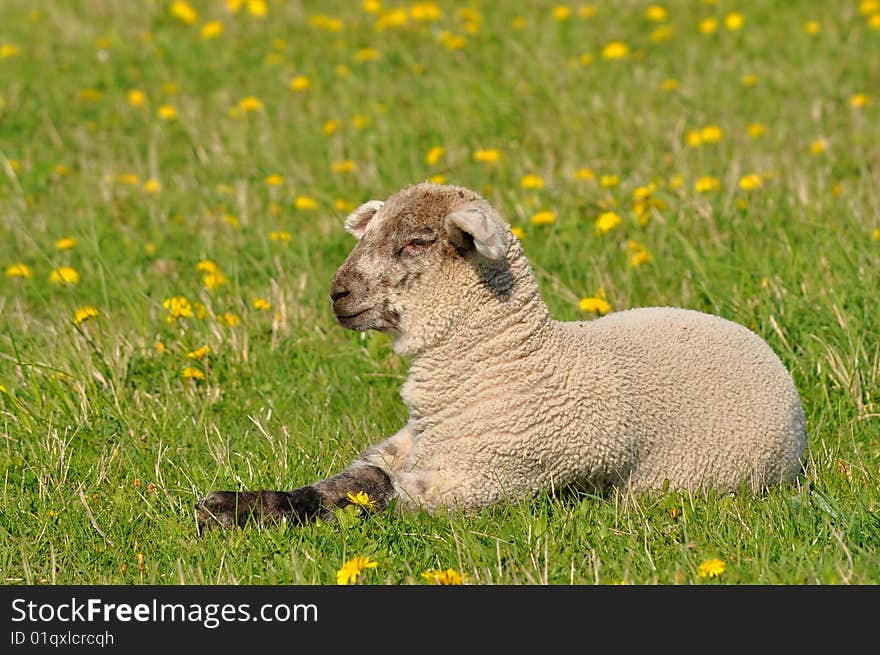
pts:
pixel 336 294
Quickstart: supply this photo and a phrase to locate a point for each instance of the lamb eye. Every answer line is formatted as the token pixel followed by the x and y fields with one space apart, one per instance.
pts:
pixel 417 245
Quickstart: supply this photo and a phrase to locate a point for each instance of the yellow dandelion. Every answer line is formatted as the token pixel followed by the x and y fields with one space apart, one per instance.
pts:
pixel 711 568
pixel 331 126
pixel 211 30
pixel 136 97
pixel 64 275
pixel 669 84
pixel 8 50
pixel 708 25
pixel 749 80
pixel 756 130
pixel 595 304
pixel 425 11
pixel 250 103
pixel 261 304
pixel 587 11
pixel 561 12
pixel 344 166
pixel 437 179
pixel 361 499
pixel 859 100
pixel 532 181
pixel 585 59
pixel 353 568
pixel 280 235
pixel 305 202
pixel 84 313
pixel 812 27
pixel 3 389
pixel 434 155
pixel 199 353
pixel 159 347
pixel 371 6
pixel 152 186
pixel 662 33
pixel 167 112
pixel 214 280
pixel 229 319
pixel 734 21
pixel 711 134
pixel 61 170
pixel 615 50
pixel 257 8
pixel 544 218
pixel 207 266
pixel 656 13
pixel 869 7
pixel 639 257
pixel 90 95
pixel 300 83
pixel 184 12
pixel 489 156
pixel 274 180
pixel 874 22
pixel 606 222
pixel 366 54
pixel 192 373
pixel 818 146
pixel 707 184
pixel 65 243
pixel 18 270
pixel 676 181
pixel 609 181
pixel 443 577
pixel 751 182
pixel 584 174
pixel 875 234
pixel 518 232
pixel 693 139
pixel 344 205
pixel 178 307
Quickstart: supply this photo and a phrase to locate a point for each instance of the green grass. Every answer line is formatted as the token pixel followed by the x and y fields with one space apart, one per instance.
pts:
pixel 105 447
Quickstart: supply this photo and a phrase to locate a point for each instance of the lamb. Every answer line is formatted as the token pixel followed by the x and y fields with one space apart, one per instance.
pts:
pixel 504 401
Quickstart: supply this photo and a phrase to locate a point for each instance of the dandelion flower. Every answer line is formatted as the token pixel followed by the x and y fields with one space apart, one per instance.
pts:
pixel 869 7
pixel 128 179
pixel 734 21
pixel 749 80
pixel 544 218
pixel 561 12
pixel 199 353
pixel 207 266
pixel 615 50
pixel 756 130
pixel 606 222
pixel 584 174
pixel 167 112
pixel 152 186
pixel 875 234
pixel 257 8
pixel 136 97
pixel 280 235
pixel 184 12
pixel 812 27
pixel 708 25
pixel 818 146
pixel 192 373
pixel 344 166
pixel 639 257
pixel 711 134
pixel 859 100
pixel 305 202
pixel 490 156
pixel 250 103
pixel 609 181
pixel 353 568
pixel 656 13
pixel 434 155
pixel 261 304
pixel 669 84
pixel 230 319
pixel 361 499
pixel 84 313
pixel 711 568
pixel 366 54
pixel 443 577
pixel 595 304
pixel 65 243
pixel 707 184
pixel 751 182
pixel 64 275
pixel 211 29
pixel 8 50
pixel 214 280
pixel 274 180
pixel 532 181
pixel 18 270
pixel 178 307
pixel 518 232
pixel 437 179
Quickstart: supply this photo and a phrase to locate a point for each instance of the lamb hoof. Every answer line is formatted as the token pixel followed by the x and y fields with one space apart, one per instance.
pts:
pixel 228 509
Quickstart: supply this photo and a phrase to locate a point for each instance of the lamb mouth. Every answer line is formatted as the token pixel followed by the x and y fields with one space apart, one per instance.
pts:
pixel 348 317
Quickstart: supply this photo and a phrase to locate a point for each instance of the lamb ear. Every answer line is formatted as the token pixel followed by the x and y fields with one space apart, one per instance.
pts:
pixel 490 237
pixel 356 222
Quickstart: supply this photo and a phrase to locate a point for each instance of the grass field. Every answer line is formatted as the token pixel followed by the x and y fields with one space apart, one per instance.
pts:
pixel 173 179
